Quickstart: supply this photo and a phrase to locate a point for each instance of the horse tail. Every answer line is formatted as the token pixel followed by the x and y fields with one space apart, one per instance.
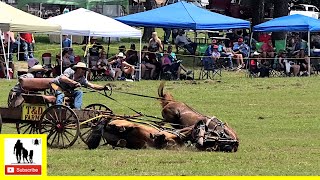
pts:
pixel 165 98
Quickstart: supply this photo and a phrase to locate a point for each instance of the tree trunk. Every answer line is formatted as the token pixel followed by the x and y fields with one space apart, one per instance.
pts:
pixel 147 32
pixel 257 14
pixel 280 9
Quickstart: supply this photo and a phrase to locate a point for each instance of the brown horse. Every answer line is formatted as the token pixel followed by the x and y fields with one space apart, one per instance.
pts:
pixel 182 115
pixel 137 135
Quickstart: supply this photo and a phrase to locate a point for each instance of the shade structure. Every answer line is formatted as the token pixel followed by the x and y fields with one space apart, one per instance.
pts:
pixel 292 23
pixel 78 3
pixel 184 15
pixel 84 22
pixel 13 19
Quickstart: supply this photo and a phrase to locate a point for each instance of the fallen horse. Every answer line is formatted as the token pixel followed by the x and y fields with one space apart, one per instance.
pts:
pixel 132 134
pixel 209 133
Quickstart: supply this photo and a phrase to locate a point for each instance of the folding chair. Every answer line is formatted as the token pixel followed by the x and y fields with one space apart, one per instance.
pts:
pixel 258 46
pixel 180 46
pixel 280 45
pixel 210 69
pixel 46 63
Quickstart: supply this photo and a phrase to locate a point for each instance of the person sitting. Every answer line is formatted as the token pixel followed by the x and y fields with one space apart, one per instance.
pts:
pixel 173 58
pixel 147 63
pixel 182 39
pixel 268 49
pixel 241 48
pixel 15 99
pixel 93 49
pixel 223 53
pixel 122 66
pixel 132 55
pixel 264 37
pixel 104 65
pixel 168 66
pixel 71 79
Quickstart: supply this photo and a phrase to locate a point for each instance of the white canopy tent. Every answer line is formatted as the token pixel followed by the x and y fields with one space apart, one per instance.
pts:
pixel 84 22
pixel 15 20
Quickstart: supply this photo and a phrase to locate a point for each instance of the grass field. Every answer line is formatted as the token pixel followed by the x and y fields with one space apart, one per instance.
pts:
pixel 277 120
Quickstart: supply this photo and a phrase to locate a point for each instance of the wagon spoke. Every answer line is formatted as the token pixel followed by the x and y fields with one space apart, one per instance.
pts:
pixel 62 139
pixel 55 135
pixel 66 136
pixel 51 117
pixel 27 129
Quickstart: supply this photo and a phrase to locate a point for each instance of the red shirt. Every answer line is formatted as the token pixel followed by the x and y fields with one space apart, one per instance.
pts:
pixel 27 37
pixel 264 38
pixel 266 47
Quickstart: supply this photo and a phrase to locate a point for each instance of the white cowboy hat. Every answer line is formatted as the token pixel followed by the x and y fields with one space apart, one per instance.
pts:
pixel 256 53
pixel 121 55
pixel 36 68
pixel 80 65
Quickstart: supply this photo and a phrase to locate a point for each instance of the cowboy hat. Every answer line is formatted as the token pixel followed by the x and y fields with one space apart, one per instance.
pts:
pixel 121 55
pixel 36 68
pixel 80 65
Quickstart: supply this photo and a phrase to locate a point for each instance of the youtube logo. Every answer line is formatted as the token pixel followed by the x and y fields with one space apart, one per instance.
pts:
pixel 23 170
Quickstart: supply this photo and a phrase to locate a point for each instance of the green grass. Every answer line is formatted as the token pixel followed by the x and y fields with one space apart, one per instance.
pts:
pixel 277 120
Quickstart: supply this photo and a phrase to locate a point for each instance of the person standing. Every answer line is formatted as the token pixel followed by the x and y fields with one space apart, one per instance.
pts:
pixel 27 41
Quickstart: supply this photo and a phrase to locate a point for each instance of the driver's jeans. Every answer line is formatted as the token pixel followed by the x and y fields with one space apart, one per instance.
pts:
pixel 77 95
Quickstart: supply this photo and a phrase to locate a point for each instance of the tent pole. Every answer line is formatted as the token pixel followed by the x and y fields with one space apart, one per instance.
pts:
pixel 248 63
pixel 71 41
pixel 194 55
pixel 61 53
pixel 4 53
pixel 140 59
pixel 88 54
pixel 8 58
pixel 309 53
pixel 108 48
pixel 19 44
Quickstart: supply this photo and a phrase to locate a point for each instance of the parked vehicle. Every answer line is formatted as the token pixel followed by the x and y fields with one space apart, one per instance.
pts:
pixel 305 9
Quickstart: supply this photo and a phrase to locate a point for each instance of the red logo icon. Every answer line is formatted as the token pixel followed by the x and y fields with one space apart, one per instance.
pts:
pixel 23 170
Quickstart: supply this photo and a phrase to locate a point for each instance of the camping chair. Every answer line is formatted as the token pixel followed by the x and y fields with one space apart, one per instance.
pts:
pixel 201 49
pixel 210 69
pixel 180 46
pixel 258 46
pixel 280 45
pixel 46 63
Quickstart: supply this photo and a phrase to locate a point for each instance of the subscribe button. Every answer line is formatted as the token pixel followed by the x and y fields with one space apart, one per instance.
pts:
pixel 23 170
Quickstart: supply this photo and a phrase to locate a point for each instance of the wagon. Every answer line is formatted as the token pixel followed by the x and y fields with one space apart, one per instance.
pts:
pixel 39 114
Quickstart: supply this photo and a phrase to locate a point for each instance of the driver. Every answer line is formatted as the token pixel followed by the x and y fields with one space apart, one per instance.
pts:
pixel 71 79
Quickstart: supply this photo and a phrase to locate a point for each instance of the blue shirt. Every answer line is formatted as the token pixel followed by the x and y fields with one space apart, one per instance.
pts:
pixel 66 43
pixel 243 48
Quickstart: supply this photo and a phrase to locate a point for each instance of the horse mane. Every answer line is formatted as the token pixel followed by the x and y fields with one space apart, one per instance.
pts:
pixel 165 98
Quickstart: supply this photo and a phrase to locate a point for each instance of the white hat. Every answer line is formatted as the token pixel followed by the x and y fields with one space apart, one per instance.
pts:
pixel 36 68
pixel 121 55
pixel 80 65
pixel 256 53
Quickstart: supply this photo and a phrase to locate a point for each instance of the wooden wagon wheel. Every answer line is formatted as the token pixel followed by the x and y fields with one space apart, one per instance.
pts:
pixel 61 124
pixel 86 128
pixel 27 127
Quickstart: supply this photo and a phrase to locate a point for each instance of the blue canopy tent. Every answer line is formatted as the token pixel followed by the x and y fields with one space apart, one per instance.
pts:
pixel 292 23
pixel 183 15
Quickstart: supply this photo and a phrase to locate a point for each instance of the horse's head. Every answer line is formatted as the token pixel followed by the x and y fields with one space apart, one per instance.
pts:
pixel 212 134
pixel 162 141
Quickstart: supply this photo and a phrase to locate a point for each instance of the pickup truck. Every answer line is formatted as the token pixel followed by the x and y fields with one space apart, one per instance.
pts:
pixel 305 9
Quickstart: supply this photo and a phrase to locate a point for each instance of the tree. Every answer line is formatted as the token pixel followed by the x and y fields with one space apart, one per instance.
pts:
pixel 280 9
pixel 147 31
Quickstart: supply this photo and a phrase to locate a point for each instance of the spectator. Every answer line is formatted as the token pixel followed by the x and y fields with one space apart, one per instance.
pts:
pixel 187 43
pixel 132 55
pixel 172 56
pixel 103 64
pixel 167 65
pixel 27 40
pixel 241 48
pixel 66 41
pixel 264 37
pixel 268 49
pixel 122 66
pixel 147 63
